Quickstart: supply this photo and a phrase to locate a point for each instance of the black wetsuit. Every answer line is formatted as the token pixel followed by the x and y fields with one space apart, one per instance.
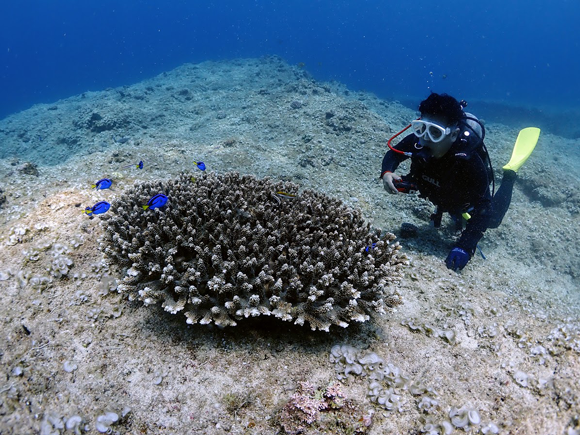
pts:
pixel 456 183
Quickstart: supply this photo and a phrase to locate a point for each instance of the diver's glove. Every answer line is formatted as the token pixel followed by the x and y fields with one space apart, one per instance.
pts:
pixel 457 259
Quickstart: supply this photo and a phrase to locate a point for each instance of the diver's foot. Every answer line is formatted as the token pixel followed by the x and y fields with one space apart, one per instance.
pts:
pixel 525 144
pixel 509 174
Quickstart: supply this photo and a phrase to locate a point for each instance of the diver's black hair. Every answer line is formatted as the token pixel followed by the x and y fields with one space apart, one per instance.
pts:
pixel 444 106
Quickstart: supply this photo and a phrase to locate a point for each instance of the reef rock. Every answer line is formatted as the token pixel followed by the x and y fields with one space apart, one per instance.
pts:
pixel 227 247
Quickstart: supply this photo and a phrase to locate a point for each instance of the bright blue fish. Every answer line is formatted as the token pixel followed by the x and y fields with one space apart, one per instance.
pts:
pixel 138 165
pixel 368 248
pixel 99 208
pixel 200 165
pixel 104 183
pixel 157 201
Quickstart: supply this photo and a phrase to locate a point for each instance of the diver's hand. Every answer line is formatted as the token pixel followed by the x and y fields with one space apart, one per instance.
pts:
pixel 457 259
pixel 388 182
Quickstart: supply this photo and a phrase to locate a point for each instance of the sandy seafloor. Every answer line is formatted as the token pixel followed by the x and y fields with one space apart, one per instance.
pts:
pixel 71 346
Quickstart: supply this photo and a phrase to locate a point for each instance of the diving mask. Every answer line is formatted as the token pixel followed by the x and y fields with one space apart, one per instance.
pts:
pixel 435 132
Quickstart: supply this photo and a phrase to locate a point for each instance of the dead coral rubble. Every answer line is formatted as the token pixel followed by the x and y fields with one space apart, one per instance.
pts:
pixel 227 247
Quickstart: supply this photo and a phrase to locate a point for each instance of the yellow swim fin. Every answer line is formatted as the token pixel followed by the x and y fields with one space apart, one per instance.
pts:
pixel 525 144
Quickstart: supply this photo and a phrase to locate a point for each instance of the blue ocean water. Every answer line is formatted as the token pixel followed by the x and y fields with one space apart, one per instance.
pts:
pixel 521 53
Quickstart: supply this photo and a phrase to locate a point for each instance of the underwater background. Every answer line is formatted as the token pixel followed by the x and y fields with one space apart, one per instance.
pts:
pixel 138 93
pixel 500 54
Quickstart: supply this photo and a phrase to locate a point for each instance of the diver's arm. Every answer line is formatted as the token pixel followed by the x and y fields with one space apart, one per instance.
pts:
pixel 474 230
pixel 481 212
pixel 392 160
pixel 464 249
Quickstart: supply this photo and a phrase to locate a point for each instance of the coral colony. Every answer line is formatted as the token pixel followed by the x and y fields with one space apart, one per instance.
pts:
pixel 227 247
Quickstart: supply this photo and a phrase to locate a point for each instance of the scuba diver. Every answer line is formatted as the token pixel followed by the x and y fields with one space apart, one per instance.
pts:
pixel 450 167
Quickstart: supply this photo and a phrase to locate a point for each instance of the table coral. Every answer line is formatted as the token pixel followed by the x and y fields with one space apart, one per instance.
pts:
pixel 228 247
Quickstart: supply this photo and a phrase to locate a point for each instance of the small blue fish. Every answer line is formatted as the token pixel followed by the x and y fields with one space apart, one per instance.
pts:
pixel 200 165
pixel 138 165
pixel 368 248
pixel 104 183
pixel 157 201
pixel 99 208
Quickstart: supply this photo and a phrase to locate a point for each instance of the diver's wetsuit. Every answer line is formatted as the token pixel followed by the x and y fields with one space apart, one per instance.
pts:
pixel 456 183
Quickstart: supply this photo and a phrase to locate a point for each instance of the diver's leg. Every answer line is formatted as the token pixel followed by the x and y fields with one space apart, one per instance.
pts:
pixel 502 198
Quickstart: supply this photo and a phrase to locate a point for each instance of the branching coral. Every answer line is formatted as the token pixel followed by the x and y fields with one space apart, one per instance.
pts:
pixel 228 247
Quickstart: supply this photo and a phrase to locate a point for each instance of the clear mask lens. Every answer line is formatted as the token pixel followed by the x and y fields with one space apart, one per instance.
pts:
pixel 435 134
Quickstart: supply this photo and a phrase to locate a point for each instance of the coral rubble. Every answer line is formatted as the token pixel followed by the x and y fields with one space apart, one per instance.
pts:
pixel 228 247
pixel 311 410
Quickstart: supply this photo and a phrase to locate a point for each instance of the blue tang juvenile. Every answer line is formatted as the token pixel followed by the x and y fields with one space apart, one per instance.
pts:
pixel 138 165
pixel 200 165
pixel 99 208
pixel 103 183
pixel 368 248
pixel 157 201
